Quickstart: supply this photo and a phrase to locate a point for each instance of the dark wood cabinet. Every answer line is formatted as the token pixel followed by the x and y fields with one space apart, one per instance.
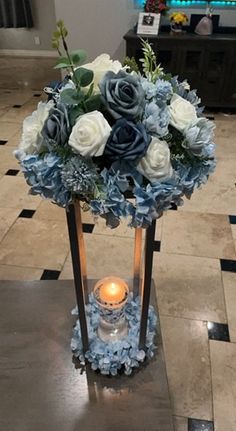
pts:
pixel 207 62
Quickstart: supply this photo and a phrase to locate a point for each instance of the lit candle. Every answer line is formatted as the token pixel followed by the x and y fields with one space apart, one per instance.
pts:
pixel 111 291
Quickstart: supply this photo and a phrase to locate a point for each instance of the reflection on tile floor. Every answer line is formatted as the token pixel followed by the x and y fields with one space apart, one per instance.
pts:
pixel 194 268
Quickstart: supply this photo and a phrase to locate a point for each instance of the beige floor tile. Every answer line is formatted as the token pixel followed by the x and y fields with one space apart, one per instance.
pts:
pixel 106 255
pixel 67 272
pixel 7 159
pixel 223 360
pixel 8 272
pixel 14 193
pixel 17 115
pixel 35 244
pixel 180 424
pixel 7 218
pixel 122 230
pixel 8 130
pixel 229 281
pixel 14 97
pixel 14 141
pixel 197 234
pixel 188 367
pixel 225 127
pixel 233 228
pixel 49 211
pixel 225 147
pixel 189 287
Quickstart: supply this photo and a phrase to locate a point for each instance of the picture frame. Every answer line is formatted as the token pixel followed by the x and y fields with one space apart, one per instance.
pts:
pixel 148 23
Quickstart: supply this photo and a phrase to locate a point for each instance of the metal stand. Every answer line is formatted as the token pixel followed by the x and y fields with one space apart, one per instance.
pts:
pixel 74 222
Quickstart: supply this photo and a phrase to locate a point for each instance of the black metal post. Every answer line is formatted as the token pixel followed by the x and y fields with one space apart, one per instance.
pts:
pixel 137 261
pixel 147 279
pixel 78 276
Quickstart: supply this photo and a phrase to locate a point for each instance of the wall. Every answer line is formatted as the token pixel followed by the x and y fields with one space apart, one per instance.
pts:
pixel 99 25
pixel 44 24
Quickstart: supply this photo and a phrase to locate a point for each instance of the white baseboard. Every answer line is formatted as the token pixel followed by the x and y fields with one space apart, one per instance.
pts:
pixel 27 53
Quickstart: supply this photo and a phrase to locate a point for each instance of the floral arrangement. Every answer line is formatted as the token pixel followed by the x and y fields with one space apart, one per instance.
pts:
pixel 179 18
pixel 155 6
pixel 108 134
pixel 122 355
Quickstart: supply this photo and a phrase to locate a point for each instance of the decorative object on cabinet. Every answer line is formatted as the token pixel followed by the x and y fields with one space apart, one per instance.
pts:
pixel 177 20
pixel 205 26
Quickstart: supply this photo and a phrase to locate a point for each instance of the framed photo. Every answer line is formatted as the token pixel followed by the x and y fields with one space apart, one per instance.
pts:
pixel 148 23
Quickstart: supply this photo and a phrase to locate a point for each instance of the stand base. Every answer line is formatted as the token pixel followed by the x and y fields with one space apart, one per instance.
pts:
pixel 49 393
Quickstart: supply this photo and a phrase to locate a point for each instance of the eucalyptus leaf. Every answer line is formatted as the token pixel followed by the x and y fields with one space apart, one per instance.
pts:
pixel 63 60
pixel 78 56
pixel 72 97
pixel 74 114
pixel 93 103
pixel 62 66
pixel 84 76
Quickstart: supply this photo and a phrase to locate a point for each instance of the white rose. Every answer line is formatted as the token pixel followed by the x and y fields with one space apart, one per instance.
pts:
pixel 89 134
pixel 32 139
pixel 156 165
pixel 100 66
pixel 182 113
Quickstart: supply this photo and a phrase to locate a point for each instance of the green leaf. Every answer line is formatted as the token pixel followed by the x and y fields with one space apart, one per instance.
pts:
pixel 75 113
pixel 62 62
pixel 61 66
pixel 78 56
pixel 94 103
pixel 72 97
pixel 90 91
pixel 84 76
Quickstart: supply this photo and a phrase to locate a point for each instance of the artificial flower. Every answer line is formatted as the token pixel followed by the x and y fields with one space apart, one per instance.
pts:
pixel 43 174
pixel 127 141
pixel 32 139
pixel 56 129
pixel 156 119
pixel 182 113
pixel 89 134
pixel 199 137
pixel 100 66
pixel 123 94
pixel 156 165
pixel 79 175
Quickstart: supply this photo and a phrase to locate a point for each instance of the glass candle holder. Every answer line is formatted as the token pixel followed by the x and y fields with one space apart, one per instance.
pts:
pixel 111 294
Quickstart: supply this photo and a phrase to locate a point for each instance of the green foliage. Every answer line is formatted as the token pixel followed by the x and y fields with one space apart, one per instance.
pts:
pixel 149 63
pixel 131 63
pixel 78 56
pixel 71 96
pixel 94 103
pixel 83 76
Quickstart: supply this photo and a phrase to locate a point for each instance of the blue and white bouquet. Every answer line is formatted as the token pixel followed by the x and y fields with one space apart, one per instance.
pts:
pixel 127 144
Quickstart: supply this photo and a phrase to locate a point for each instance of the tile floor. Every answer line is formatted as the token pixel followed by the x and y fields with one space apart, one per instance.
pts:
pixel 194 268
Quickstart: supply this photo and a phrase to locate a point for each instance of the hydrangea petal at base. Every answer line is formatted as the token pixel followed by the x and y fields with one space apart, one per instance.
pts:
pixel 120 356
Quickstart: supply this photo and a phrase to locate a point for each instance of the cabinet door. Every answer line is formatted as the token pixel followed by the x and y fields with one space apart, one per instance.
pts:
pixel 214 73
pixel 191 66
pixel 229 86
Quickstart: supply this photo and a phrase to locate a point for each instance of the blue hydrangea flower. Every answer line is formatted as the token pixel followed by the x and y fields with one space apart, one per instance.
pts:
pixel 192 177
pixel 164 90
pixel 43 174
pixel 156 119
pixel 121 355
pixel 199 138
pixel 149 88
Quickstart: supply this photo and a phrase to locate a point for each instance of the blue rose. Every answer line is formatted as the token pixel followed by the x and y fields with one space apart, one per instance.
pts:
pixel 57 128
pixel 127 141
pixel 123 94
